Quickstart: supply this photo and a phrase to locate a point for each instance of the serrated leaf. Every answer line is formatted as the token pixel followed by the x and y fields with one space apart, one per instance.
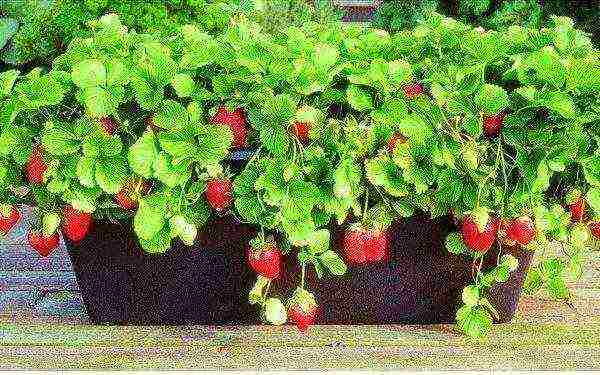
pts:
pixel 142 154
pixel 333 263
pixel 171 115
pixel 89 73
pixel 150 216
pixel 111 174
pixel 474 321
pixel 358 98
pixel 492 99
pixel 86 171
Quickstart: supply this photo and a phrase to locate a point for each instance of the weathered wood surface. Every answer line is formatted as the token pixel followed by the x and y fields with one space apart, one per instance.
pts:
pixel 30 284
pixel 544 335
pixel 44 327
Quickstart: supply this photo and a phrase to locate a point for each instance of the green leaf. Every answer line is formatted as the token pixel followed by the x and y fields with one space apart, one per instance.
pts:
pixel 86 172
pixel 561 103
pixel 150 217
pixel 347 178
pixel 319 241
pixel 543 66
pixel 171 115
pixel 383 172
pixel 169 174
pixel 89 73
pixel 142 154
pixel 183 85
pixel 275 138
pixel 333 263
pixel 111 174
pixel 415 128
pixel 358 98
pixel 59 141
pixel 8 28
pixel 7 81
pixel 474 321
pixel 455 244
pixel 492 99
pixel 214 142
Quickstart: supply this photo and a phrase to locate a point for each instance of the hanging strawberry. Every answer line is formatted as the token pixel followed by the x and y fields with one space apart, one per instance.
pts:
pixel 492 124
pixel 479 230
pixel 127 197
pixel 265 258
pixel 576 205
pixel 109 125
pixel 365 246
pixel 9 216
pixel 302 309
pixel 76 223
pixel 236 121
pixel 219 193
pixel 521 230
pixel 36 166
pixel 594 227
pixel 45 241
pixel 413 90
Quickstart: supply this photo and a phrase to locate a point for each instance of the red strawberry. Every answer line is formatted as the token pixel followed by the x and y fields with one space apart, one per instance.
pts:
pixel 376 245
pixel 521 230
pixel 363 246
pixel 126 197
pixel 219 194
pixel 354 248
pixel 300 130
pixel 476 239
pixel 43 244
pixel 36 166
pixel 413 90
pixel 492 125
pixel 76 224
pixel 303 309
pixel 265 260
pixel 395 139
pixel 8 218
pixel 577 209
pixel 109 125
pixel 595 228
pixel 236 121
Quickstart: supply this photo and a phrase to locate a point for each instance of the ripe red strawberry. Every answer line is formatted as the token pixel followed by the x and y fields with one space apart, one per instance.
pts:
pixel 236 121
pixel 394 140
pixel 376 245
pixel 109 125
pixel 219 193
pixel 265 260
pixel 413 90
pixel 595 228
pixel 8 218
pixel 126 197
pixel 521 230
pixel 364 246
pixel 300 130
pixel 302 309
pixel 36 166
pixel 577 209
pixel 76 223
pixel 43 244
pixel 354 248
pixel 492 124
pixel 479 240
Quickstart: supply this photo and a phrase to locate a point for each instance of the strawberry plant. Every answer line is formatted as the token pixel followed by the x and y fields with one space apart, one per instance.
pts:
pixel 346 126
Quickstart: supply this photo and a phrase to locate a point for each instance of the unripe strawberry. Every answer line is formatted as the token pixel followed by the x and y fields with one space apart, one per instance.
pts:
pixel 394 140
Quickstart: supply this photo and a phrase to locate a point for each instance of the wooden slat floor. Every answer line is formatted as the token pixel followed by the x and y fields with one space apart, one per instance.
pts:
pixel 45 327
pixel 544 335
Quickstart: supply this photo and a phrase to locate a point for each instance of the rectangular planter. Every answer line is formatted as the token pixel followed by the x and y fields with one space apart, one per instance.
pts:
pixel 209 282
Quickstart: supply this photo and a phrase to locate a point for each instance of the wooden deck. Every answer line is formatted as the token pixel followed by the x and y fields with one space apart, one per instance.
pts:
pixel 544 335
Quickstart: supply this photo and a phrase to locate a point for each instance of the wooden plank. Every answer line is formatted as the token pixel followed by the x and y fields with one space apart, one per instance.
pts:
pixel 38 279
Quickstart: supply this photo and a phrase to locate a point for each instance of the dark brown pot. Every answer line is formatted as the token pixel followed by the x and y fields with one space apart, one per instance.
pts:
pixel 209 282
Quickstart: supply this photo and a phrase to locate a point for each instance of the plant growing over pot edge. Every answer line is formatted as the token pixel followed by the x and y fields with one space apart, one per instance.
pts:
pixel 433 90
